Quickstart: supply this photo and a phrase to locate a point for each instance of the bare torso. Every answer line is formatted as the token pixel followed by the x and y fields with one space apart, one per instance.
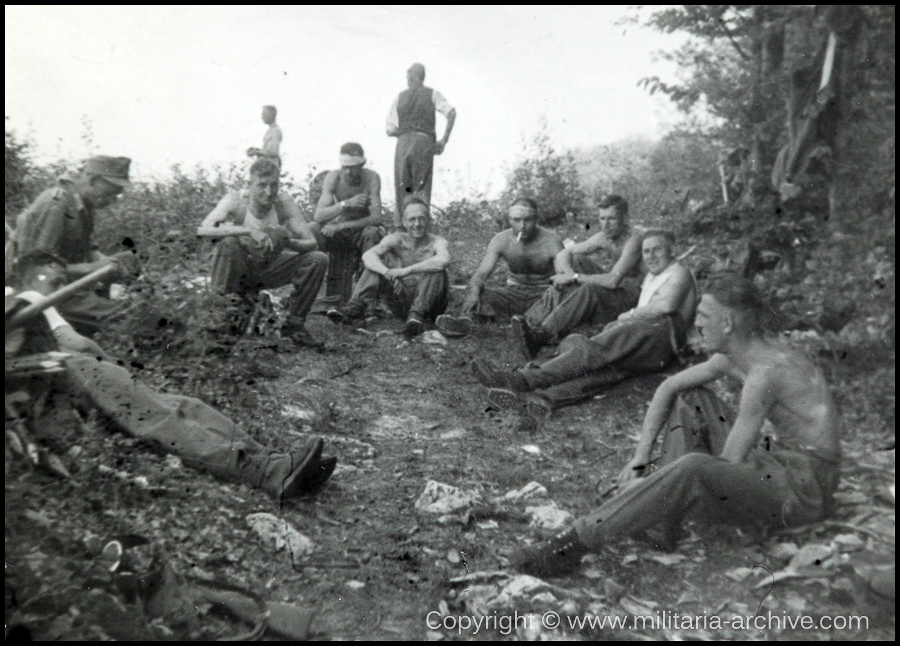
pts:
pixel 530 262
pixel 409 251
pixel 344 191
pixel 803 411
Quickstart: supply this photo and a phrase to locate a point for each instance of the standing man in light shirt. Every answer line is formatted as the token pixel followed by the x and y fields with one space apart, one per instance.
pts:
pixel 412 121
pixel 271 147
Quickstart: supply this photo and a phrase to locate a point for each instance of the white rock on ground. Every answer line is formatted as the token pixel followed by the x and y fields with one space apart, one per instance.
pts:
pixel 440 498
pixel 279 533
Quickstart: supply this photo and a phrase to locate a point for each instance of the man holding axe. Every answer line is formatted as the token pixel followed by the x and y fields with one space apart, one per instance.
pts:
pixel 61 222
pixel 265 242
pixel 189 428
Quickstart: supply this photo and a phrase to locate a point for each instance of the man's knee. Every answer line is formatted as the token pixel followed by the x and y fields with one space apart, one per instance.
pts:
pixel 694 463
pixel 370 236
pixel 318 260
pixel 228 247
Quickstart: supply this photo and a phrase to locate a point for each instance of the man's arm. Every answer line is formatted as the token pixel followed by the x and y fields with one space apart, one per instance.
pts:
pixel 372 258
pixel 668 299
pixel 449 112
pixel 328 207
pixel 373 189
pixel 221 212
pixel 393 120
pixel 757 397
pixel 484 271
pixel 301 238
pixel 562 263
pixel 627 261
pixel 438 262
pixel 658 411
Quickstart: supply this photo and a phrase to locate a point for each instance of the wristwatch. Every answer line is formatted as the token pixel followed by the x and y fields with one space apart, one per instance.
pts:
pixel 575 277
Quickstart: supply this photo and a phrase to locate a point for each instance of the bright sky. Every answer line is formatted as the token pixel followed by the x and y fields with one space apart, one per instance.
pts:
pixel 166 85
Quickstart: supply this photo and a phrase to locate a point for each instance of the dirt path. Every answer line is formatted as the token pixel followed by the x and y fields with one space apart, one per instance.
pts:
pixel 398 415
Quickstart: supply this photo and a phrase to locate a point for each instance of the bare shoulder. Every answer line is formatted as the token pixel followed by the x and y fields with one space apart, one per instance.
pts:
pixel 331 180
pixel 371 176
pixel 501 240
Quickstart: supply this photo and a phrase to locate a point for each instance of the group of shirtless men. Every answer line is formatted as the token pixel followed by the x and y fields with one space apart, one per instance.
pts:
pixel 711 463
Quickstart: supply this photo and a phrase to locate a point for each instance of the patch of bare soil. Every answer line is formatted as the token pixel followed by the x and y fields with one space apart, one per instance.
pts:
pixel 399 415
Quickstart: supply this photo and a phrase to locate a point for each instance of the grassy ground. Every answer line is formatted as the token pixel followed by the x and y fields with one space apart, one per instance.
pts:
pixel 397 415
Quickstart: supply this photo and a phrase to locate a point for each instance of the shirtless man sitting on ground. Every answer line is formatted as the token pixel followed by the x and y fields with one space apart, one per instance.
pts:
pixel 713 465
pixel 529 250
pixel 596 280
pixel 409 268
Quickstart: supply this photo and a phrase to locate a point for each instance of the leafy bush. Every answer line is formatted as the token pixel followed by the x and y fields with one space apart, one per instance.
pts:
pixel 548 178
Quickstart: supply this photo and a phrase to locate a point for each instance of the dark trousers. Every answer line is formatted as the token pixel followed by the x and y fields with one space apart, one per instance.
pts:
pixel 630 345
pixel 413 169
pixel 559 311
pixel 344 251
pixel 236 271
pixel 89 312
pixel 187 427
pixel 422 295
pixel 503 301
pixel 777 487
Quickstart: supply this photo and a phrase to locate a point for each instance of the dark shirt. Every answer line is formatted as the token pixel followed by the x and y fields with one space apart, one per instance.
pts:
pixel 58 221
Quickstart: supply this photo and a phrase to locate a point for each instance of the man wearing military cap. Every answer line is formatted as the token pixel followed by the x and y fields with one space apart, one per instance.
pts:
pixel 61 221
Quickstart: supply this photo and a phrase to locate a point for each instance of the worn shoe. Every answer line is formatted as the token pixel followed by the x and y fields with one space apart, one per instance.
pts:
pixel 347 314
pixel 296 331
pixel 321 475
pixel 414 327
pixel 453 326
pixel 560 555
pixel 528 340
pixel 492 377
pixel 528 404
pixel 299 480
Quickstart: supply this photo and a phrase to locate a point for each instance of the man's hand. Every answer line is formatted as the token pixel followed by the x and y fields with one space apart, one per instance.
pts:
pixel 439 147
pixel 333 228
pixel 127 264
pixel 253 151
pixel 625 315
pixel 469 305
pixel 394 274
pixel 562 280
pixel 360 200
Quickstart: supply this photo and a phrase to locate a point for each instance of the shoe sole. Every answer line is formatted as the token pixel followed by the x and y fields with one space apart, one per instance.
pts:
pixel 453 327
pixel 506 399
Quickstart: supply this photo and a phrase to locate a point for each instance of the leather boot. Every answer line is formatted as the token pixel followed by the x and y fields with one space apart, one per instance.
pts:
pixel 560 555
pixel 284 476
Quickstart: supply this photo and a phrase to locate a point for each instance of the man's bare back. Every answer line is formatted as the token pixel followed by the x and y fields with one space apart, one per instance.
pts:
pixel 801 407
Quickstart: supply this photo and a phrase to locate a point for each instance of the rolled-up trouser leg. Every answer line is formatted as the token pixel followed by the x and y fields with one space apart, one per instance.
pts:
pixel 187 427
pixel 634 345
pixel 305 271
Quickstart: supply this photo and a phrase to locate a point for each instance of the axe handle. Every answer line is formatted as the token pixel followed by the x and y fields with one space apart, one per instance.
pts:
pixel 222 232
pixel 31 311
